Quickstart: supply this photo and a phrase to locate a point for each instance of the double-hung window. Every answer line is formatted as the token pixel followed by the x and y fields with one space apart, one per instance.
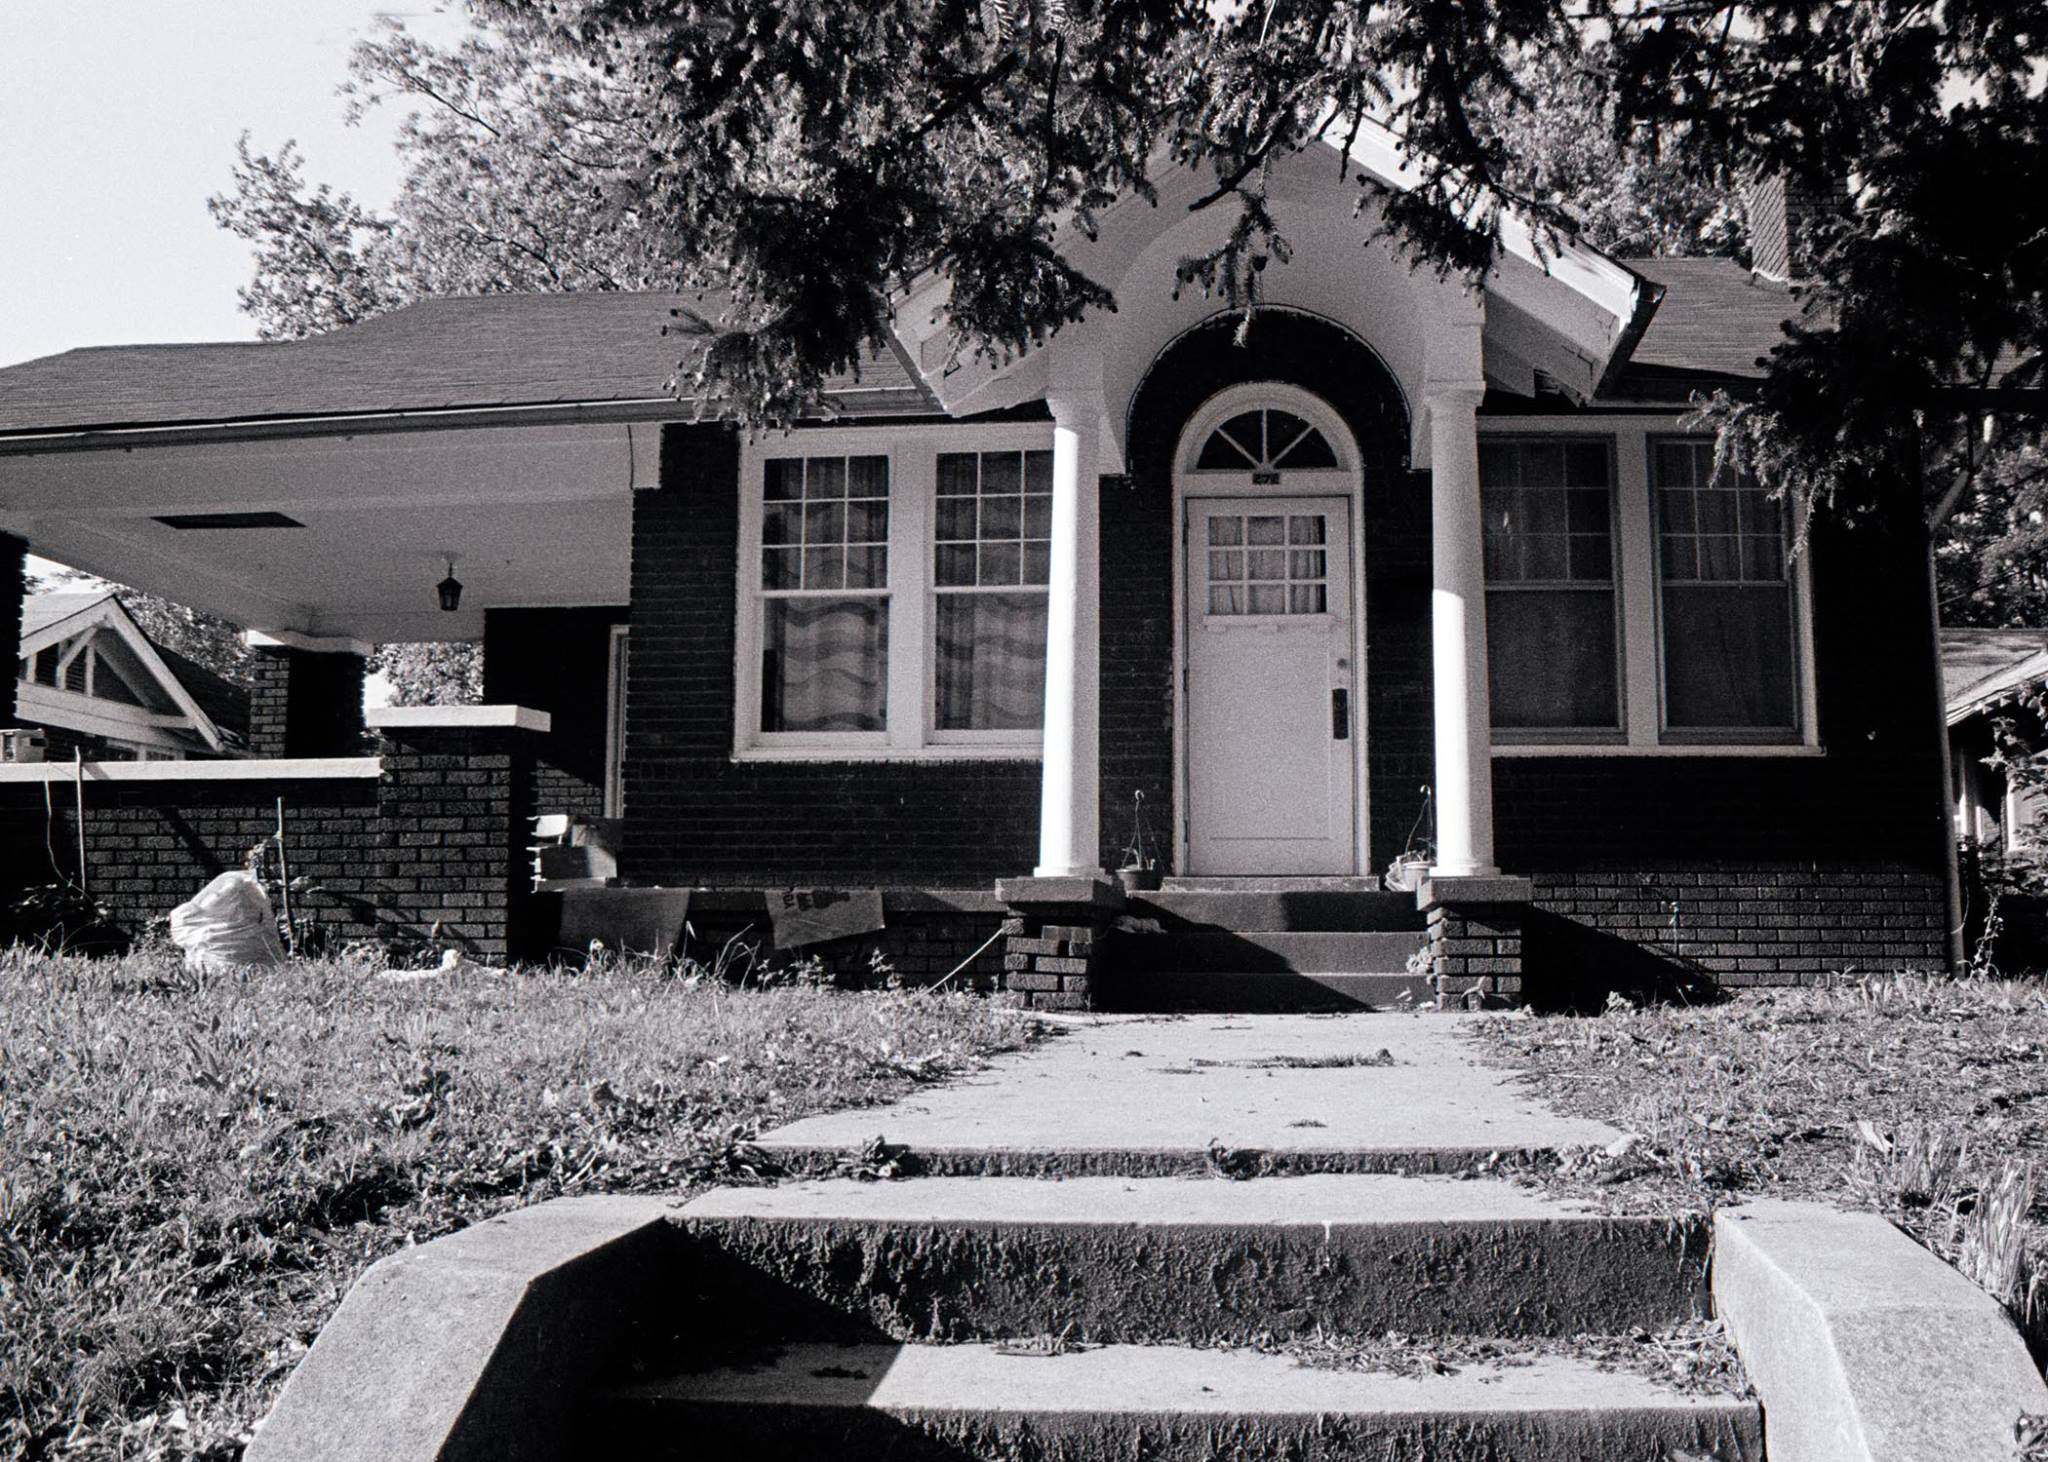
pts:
pixel 893 593
pixel 990 560
pixel 1550 588
pixel 1725 601
pixel 824 595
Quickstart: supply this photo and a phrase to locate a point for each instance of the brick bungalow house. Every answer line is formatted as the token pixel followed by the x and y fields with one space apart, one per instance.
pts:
pixel 1406 536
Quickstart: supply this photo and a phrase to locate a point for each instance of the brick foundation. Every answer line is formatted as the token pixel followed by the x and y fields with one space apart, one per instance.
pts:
pixel 929 937
pixel 1738 924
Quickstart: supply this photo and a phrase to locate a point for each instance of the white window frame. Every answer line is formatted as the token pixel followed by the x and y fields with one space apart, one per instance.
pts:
pixel 909 703
pixel 1578 735
pixel 1636 581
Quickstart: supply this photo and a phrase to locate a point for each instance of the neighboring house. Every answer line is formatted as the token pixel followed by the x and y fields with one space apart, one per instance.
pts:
pixel 1984 674
pixel 93 682
pixel 1407 535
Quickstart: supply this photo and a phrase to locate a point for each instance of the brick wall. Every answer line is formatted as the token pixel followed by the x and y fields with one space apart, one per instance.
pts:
pixel 438 840
pixel 557 661
pixel 1738 923
pixel 453 810
pixel 693 814
pixel 1760 869
pixel 303 703
pixel 152 845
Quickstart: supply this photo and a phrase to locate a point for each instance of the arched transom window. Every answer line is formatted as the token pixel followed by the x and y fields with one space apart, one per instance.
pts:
pixel 1266 439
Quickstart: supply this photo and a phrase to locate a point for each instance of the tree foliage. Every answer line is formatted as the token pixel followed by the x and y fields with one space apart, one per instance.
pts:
pixel 431 673
pixel 811 158
pixel 799 163
pixel 510 157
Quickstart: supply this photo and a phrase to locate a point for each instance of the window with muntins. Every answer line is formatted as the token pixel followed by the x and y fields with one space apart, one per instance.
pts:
pixel 991 553
pixel 1725 599
pixel 824 594
pixel 1551 609
pixel 1268 563
pixel 1265 440
pixel 893 587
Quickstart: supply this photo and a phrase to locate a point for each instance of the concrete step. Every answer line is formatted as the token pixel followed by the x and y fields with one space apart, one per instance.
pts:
pixel 1167 1260
pixel 1259 992
pixel 1270 883
pixel 1267 951
pixel 1311 909
pixel 1148 1095
pixel 981 1402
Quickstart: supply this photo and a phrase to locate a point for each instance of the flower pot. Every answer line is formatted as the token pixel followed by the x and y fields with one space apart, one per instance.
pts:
pixel 1139 880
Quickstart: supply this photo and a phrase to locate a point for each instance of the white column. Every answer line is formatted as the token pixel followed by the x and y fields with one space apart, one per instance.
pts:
pixel 1464 734
pixel 1069 838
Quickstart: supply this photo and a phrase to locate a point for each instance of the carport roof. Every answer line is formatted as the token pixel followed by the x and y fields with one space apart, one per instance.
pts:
pixel 473 353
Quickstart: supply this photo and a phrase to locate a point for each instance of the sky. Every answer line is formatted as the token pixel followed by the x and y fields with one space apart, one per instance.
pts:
pixel 118 119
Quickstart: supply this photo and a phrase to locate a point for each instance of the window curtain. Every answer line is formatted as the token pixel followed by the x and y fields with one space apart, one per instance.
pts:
pixel 1728 657
pixel 991 662
pixel 824 664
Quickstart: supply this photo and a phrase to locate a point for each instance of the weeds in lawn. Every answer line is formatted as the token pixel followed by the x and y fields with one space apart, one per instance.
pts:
pixel 193 1168
pixel 1925 1099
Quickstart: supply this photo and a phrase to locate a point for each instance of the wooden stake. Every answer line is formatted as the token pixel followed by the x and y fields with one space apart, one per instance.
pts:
pixel 78 793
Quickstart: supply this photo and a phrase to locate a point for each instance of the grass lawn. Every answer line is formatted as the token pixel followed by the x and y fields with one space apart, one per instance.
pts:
pixel 193 1169
pixel 1926 1099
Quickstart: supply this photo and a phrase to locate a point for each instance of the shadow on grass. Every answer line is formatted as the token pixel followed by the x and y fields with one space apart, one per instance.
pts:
pixel 1580 969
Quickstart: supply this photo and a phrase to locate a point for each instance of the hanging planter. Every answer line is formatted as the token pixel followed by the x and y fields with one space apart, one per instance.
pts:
pixel 1406 873
pixel 1140 872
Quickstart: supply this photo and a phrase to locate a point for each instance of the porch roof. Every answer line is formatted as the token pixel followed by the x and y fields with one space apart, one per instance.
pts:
pixel 1982 666
pixel 465 354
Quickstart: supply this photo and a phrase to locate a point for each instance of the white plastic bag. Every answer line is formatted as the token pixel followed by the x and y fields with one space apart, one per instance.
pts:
pixel 226 925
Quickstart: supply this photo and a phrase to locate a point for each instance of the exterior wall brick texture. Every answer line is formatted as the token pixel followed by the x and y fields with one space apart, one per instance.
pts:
pixel 439 839
pixel 557 661
pixel 694 815
pixel 306 704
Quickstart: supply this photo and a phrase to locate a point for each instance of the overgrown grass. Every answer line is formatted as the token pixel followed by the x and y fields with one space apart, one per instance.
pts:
pixel 1926 1099
pixel 194 1168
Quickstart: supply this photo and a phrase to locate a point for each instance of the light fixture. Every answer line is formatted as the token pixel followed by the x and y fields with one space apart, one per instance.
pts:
pixel 450 588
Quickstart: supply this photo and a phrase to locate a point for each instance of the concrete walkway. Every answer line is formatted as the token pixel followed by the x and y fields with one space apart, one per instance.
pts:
pixel 1151 1094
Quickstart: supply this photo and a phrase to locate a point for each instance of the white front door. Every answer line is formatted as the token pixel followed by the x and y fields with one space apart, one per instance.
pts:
pixel 1270 690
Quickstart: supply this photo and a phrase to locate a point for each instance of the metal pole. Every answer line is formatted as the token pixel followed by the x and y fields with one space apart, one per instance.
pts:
pixel 284 884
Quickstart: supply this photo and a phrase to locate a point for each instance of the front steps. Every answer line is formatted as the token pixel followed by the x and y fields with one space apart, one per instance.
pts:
pixel 1272 944
pixel 1099 1318
pixel 1146 1402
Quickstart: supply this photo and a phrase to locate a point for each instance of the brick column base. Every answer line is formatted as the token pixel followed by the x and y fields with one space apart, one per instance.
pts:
pixel 454 806
pixel 1054 940
pixel 1475 940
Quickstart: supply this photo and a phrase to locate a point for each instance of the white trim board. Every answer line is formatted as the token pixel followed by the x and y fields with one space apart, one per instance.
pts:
pixel 282 769
pixel 517 718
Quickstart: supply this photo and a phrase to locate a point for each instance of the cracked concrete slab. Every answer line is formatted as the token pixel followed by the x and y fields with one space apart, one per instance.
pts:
pixel 1150 1094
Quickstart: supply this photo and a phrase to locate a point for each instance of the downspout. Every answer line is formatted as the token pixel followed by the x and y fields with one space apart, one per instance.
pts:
pixel 1951 866
pixel 1951 869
